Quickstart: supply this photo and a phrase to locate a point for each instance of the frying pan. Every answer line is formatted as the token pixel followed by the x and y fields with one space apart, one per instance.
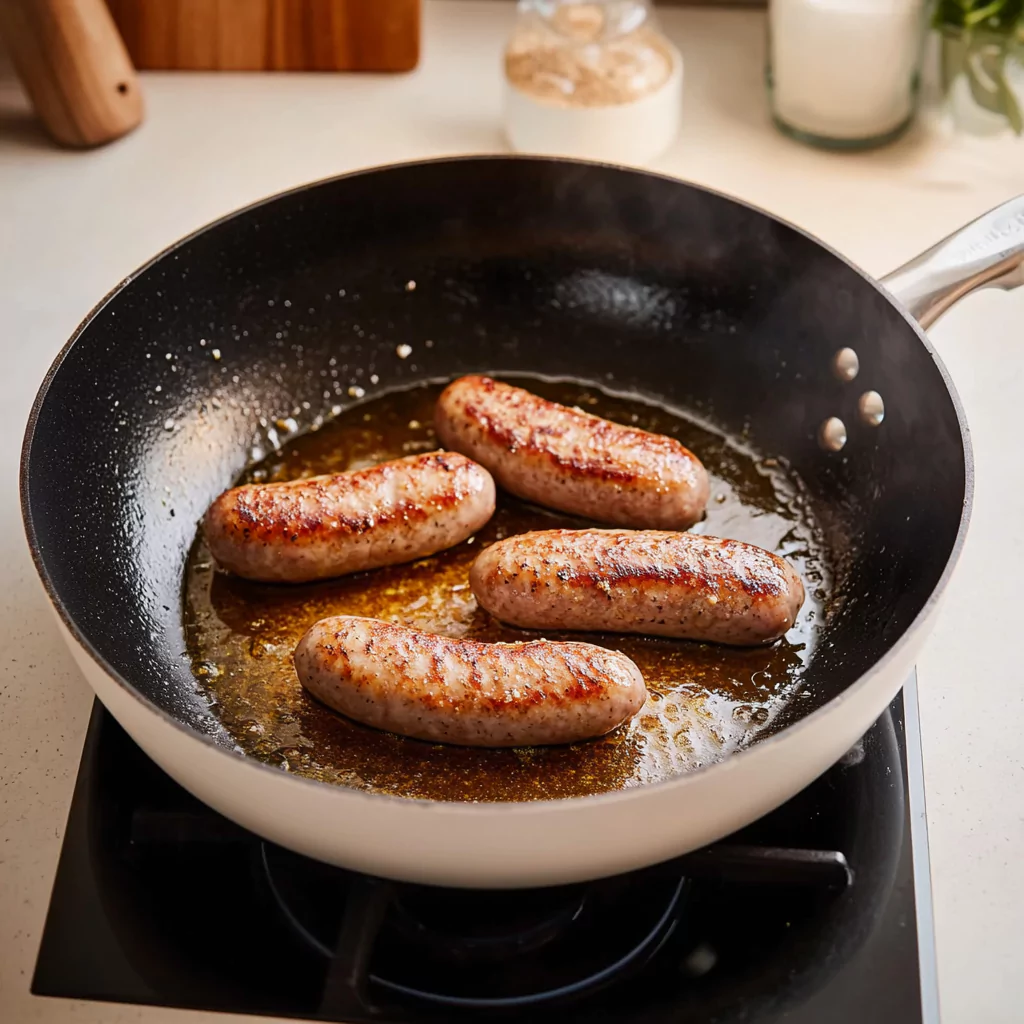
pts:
pixel 702 303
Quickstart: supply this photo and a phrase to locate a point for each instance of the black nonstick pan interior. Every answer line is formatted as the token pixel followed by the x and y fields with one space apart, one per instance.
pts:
pixel 197 366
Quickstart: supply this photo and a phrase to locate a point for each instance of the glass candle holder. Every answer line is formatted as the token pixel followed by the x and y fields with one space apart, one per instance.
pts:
pixel 843 74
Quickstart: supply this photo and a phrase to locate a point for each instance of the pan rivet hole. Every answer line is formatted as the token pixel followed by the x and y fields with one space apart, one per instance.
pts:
pixel 871 408
pixel 832 435
pixel 845 364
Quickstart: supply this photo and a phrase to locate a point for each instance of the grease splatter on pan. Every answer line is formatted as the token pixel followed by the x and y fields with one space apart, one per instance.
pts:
pixel 706 701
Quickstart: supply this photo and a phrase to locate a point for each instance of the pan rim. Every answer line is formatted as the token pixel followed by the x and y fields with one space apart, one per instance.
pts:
pixel 532 807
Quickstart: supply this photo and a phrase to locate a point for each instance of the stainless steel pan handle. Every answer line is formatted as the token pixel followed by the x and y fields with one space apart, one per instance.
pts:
pixel 987 253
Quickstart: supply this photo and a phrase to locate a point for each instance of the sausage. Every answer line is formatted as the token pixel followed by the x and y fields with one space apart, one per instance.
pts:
pixel 660 583
pixel 572 461
pixel 326 526
pixel 465 692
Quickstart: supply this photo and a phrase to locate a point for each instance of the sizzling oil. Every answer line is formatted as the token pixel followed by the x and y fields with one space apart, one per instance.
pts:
pixel 705 701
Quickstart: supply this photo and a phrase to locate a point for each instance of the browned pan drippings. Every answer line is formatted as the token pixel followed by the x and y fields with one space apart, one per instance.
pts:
pixel 706 701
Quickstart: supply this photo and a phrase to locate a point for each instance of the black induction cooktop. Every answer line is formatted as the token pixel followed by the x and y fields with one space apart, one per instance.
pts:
pixel 819 912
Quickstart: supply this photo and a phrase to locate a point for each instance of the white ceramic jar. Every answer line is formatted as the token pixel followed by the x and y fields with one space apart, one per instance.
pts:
pixel 594 79
pixel 844 72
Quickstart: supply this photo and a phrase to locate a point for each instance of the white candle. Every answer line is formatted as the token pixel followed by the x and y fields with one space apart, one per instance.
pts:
pixel 842 69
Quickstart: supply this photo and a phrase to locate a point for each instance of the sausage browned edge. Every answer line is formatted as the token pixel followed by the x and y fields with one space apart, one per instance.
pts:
pixel 463 691
pixel 570 460
pixel 650 581
pixel 326 526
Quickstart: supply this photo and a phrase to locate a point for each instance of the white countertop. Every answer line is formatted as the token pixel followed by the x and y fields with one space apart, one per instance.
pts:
pixel 73 224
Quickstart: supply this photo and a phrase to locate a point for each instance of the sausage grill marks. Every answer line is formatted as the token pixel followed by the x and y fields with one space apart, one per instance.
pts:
pixel 570 460
pixel 653 581
pixel 465 692
pixel 327 526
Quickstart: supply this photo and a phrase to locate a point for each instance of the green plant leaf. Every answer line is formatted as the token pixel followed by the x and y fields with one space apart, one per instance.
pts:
pixel 984 70
pixel 980 14
pixel 1000 16
pixel 979 39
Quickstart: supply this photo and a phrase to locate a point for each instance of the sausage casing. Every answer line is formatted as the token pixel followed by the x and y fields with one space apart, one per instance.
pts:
pixel 570 460
pixel 465 692
pixel 655 582
pixel 326 526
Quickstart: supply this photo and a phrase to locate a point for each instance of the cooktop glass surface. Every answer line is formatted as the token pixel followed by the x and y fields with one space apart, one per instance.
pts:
pixel 809 915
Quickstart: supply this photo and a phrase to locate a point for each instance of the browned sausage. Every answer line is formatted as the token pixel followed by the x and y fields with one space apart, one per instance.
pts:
pixel 664 584
pixel 325 526
pixel 572 461
pixel 465 692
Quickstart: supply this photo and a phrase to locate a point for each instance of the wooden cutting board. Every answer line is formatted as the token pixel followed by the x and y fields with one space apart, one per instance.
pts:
pixel 270 35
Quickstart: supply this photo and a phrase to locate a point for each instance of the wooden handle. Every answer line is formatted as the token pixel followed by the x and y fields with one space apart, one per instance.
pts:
pixel 74 67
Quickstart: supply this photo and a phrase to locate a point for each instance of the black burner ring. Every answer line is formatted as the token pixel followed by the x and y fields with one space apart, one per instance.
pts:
pixel 492 927
pixel 634 958
pixel 559 944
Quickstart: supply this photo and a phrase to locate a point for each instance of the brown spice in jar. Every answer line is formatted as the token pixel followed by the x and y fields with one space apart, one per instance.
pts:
pixel 569 64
